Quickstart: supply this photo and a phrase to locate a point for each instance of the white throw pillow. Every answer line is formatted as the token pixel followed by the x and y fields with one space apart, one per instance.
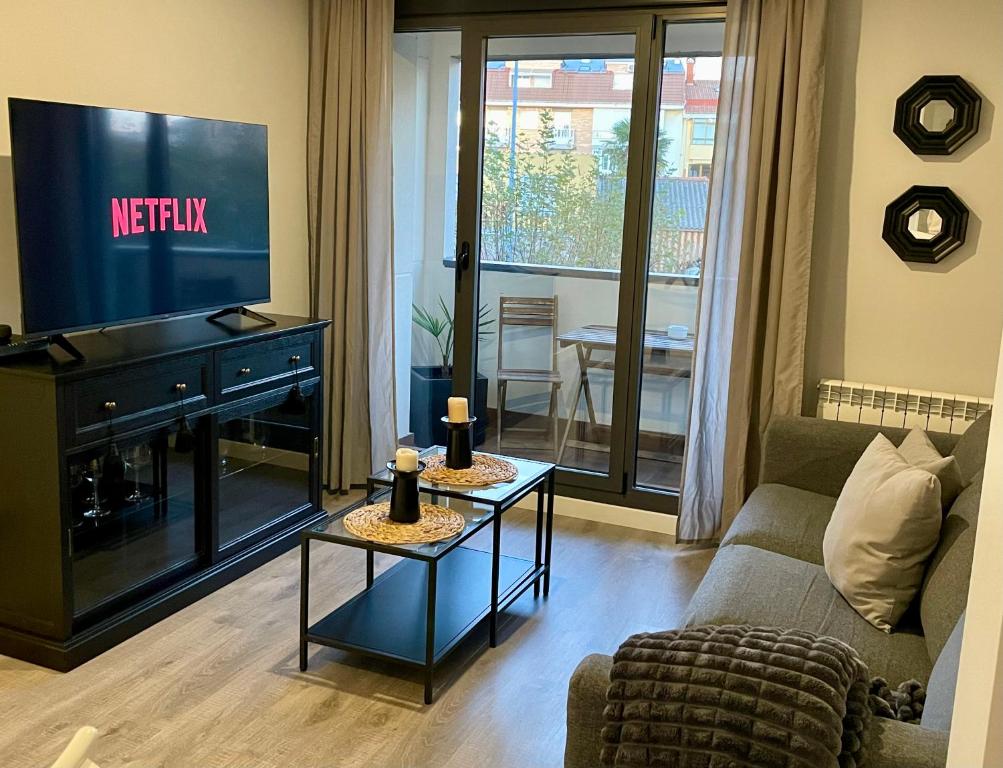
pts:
pixel 883 529
pixel 920 452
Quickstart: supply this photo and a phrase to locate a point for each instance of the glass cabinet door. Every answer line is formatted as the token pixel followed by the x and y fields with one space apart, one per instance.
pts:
pixel 264 460
pixel 133 518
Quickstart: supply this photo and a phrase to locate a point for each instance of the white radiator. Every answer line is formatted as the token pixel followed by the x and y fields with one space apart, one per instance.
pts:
pixel 840 400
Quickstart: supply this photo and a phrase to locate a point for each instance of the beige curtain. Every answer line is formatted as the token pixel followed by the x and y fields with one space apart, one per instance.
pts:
pixel 350 223
pixel 749 362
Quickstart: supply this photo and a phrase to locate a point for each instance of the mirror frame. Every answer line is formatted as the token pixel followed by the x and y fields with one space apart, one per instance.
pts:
pixel 948 206
pixel 953 89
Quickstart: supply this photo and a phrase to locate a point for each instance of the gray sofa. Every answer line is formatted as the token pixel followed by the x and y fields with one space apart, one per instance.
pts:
pixel 768 572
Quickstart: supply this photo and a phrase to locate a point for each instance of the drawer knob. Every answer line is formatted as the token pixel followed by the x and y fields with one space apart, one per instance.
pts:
pixel 181 387
pixel 294 359
pixel 244 372
pixel 110 405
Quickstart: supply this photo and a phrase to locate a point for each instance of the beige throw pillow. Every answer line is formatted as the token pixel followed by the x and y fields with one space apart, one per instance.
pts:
pixel 920 452
pixel 883 529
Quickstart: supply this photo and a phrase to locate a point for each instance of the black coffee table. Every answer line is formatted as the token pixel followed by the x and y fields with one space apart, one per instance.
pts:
pixel 419 610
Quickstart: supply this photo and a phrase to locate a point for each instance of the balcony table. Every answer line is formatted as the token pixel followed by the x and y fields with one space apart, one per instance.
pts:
pixel 676 354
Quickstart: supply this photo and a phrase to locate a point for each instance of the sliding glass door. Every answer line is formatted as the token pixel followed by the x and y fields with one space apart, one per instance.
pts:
pixel 689 78
pixel 555 146
pixel 578 164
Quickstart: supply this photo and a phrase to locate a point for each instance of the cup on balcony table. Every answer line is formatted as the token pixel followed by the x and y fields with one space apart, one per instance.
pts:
pixel 677 332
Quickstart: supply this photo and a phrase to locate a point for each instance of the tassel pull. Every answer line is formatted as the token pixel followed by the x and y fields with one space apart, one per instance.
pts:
pixel 184 440
pixel 112 465
pixel 295 402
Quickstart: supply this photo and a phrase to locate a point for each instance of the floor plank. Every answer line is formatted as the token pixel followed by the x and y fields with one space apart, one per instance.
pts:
pixel 217 684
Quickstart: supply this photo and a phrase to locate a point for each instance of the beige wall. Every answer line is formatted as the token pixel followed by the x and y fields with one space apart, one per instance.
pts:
pixel 977 725
pixel 873 317
pixel 240 60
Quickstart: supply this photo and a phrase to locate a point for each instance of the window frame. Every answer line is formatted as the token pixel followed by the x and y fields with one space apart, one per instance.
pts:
pixel 651 29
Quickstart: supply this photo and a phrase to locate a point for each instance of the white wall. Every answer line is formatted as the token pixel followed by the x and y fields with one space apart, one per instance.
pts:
pixel 244 60
pixel 977 725
pixel 874 318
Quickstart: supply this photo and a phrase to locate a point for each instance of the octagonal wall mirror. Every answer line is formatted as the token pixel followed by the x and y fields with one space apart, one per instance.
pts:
pixel 937 114
pixel 925 224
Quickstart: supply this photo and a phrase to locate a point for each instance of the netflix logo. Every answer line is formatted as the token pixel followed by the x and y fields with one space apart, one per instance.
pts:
pixel 134 215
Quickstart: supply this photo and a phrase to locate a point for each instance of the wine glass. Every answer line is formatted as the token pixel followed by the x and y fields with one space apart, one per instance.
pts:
pixel 92 475
pixel 224 457
pixel 139 458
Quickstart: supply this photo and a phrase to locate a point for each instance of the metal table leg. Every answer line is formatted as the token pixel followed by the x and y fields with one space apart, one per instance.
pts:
pixel 550 531
pixel 430 631
pixel 370 489
pixel 585 362
pixel 495 567
pixel 304 598
pixel 539 536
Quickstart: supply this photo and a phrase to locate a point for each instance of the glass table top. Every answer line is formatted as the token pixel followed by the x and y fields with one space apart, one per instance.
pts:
pixel 475 515
pixel 530 473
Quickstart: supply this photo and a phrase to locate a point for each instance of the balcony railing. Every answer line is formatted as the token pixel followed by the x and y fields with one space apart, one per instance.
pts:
pixel 503 136
pixel 564 138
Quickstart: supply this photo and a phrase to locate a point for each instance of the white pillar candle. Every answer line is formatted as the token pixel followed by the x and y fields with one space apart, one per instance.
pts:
pixel 457 408
pixel 407 459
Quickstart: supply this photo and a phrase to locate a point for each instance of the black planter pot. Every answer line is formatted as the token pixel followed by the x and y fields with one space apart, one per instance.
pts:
pixel 431 388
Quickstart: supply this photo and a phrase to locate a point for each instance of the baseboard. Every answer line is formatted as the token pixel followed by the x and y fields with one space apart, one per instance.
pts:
pixel 610 514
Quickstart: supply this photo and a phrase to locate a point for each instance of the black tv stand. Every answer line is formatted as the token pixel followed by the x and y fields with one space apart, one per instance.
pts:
pixel 91 554
pixel 67 346
pixel 243 312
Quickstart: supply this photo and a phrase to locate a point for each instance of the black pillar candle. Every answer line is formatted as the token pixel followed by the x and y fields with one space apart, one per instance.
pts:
pixel 405 504
pixel 459 443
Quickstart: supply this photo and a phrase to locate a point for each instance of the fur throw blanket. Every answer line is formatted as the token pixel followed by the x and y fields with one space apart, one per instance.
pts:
pixel 736 697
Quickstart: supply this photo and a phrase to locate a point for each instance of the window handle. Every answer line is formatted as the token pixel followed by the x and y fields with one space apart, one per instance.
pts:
pixel 462 263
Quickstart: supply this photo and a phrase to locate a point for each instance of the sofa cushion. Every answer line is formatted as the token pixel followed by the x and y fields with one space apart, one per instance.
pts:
pixel 894 744
pixel 919 450
pixel 884 528
pixel 945 586
pixel 970 450
pixel 783 519
pixel 939 705
pixel 586 702
pixel 748 585
pixel 818 455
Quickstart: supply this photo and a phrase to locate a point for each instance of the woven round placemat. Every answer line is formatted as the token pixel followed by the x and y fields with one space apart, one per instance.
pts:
pixel 374 524
pixel 487 470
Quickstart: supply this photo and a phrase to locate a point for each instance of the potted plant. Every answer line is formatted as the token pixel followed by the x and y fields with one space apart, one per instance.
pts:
pixel 432 385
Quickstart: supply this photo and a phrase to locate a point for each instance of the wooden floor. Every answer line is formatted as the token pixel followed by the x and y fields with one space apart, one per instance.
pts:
pixel 218 686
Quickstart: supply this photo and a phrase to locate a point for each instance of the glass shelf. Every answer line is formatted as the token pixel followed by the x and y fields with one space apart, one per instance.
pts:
pixel 475 516
pixel 530 473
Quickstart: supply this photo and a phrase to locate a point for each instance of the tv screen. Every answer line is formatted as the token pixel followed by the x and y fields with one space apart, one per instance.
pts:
pixel 125 216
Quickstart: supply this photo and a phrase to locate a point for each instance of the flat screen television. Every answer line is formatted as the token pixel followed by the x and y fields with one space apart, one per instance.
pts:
pixel 126 216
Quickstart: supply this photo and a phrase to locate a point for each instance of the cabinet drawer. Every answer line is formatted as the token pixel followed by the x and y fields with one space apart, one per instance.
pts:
pixel 252 368
pixel 137 397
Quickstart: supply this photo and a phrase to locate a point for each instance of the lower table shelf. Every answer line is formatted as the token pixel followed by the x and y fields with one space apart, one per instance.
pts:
pixel 389 619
